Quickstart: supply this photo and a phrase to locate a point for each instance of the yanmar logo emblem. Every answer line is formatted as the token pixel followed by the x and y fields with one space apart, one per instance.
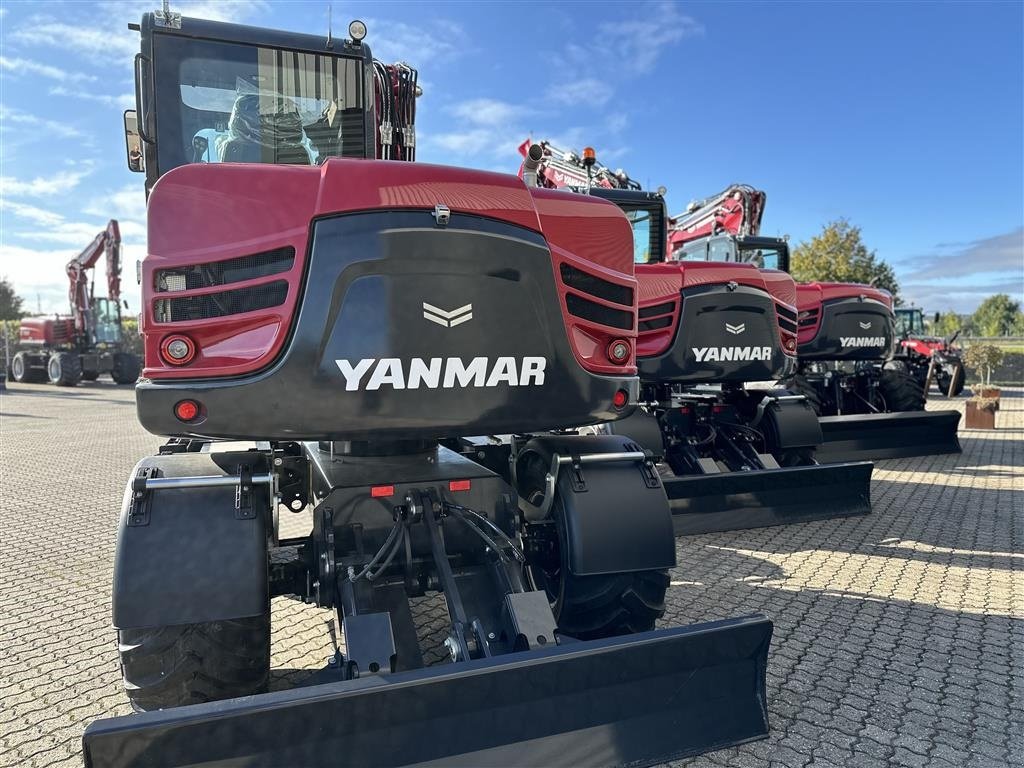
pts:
pixel 447 319
pixel 862 341
pixel 441 372
pixel 865 326
pixel 731 354
pixel 736 330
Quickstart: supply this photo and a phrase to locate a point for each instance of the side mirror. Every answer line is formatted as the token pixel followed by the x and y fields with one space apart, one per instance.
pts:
pixel 133 141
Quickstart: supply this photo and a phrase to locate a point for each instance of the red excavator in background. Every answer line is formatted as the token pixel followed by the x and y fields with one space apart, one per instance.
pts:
pixel 65 349
pixel 871 405
pixel 732 454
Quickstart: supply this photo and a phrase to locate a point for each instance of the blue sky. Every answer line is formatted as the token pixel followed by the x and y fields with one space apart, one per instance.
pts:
pixel 907 118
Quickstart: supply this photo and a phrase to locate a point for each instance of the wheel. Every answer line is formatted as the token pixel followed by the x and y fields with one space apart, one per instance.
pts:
pixel 799 384
pixel 23 372
pixel 165 667
pixel 901 391
pixel 588 607
pixel 64 369
pixel 125 368
pixel 90 375
pixel 951 373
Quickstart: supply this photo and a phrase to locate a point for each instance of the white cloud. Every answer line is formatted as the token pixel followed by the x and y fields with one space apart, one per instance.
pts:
pixel 588 91
pixel 29 67
pixel 100 44
pixel 489 112
pixel 54 183
pixel 125 100
pixel 419 44
pixel 10 116
pixel 636 43
pixel 127 205
pixel 40 216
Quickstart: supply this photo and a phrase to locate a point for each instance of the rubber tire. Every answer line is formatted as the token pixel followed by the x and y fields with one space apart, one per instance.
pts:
pixel 90 375
pixel 958 376
pixel 64 369
pixel 799 385
pixel 164 667
pixel 125 368
pixel 28 374
pixel 901 391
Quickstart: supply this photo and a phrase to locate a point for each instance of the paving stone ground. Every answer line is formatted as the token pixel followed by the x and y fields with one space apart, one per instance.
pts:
pixel 899 636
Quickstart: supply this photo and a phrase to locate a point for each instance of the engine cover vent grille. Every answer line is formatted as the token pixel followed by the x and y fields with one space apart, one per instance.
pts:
pixel 252 267
pixel 233 302
pixel 584 282
pixel 598 313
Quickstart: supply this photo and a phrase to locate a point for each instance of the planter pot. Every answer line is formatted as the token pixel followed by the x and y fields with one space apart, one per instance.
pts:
pixel 980 415
pixel 990 393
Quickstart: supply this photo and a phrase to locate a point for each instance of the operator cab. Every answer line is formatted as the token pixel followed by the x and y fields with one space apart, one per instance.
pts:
pixel 647 217
pixel 209 92
pixel 909 322
pixel 762 252
pixel 105 322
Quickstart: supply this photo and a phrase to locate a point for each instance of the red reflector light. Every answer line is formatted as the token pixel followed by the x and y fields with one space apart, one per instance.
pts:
pixel 459 485
pixel 381 491
pixel 717 408
pixel 684 409
pixel 620 398
pixel 186 410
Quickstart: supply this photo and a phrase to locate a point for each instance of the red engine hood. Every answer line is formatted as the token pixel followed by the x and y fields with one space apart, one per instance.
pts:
pixel 810 295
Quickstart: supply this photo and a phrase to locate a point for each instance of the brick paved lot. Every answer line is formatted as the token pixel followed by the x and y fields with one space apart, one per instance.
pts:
pixel 899 636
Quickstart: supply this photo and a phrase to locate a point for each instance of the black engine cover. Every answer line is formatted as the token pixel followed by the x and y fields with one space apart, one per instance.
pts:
pixel 852 329
pixel 724 335
pixel 407 329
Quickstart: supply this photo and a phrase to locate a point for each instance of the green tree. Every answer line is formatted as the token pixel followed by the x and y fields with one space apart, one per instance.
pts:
pixel 10 302
pixel 949 323
pixel 839 255
pixel 996 315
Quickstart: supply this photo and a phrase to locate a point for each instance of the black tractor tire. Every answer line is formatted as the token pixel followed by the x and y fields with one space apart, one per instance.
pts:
pixel 799 385
pixel 64 369
pixel 164 667
pixel 901 391
pixel 90 375
pixel 951 373
pixel 125 368
pixel 23 373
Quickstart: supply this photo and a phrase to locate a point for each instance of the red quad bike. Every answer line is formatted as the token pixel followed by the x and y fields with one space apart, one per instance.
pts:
pixel 921 354
pixel 732 454
pixel 870 406
pixel 316 320
pixel 65 349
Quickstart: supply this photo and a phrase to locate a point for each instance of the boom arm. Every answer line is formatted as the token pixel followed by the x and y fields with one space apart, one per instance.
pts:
pixel 560 168
pixel 109 242
pixel 736 210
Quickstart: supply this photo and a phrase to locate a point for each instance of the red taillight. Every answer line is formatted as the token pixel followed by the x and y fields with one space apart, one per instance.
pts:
pixel 382 491
pixel 717 408
pixel 187 410
pixel 177 350
pixel 459 485
pixel 620 398
pixel 789 344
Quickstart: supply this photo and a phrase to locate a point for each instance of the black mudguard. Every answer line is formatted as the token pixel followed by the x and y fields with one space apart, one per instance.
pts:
pixel 628 701
pixel 889 435
pixel 763 497
pixel 616 516
pixel 188 556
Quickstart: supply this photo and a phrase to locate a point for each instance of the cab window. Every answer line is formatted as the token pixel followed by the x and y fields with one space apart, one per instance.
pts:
pixel 640 221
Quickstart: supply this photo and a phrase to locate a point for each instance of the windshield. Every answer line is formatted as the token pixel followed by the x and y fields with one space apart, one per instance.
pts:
pixel 909 322
pixel 225 102
pixel 640 220
pixel 764 258
pixel 106 322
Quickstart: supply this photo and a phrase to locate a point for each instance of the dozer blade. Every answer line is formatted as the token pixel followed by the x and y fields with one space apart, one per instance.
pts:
pixel 888 435
pixel 758 498
pixel 634 700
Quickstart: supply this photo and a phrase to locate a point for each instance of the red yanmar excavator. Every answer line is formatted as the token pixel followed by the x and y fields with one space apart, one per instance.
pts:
pixel 732 454
pixel 65 349
pixel 871 406
pixel 323 324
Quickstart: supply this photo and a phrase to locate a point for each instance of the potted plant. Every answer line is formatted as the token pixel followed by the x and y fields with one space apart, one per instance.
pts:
pixel 984 401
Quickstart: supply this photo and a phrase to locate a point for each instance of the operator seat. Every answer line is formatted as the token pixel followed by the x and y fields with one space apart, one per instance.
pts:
pixel 275 137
